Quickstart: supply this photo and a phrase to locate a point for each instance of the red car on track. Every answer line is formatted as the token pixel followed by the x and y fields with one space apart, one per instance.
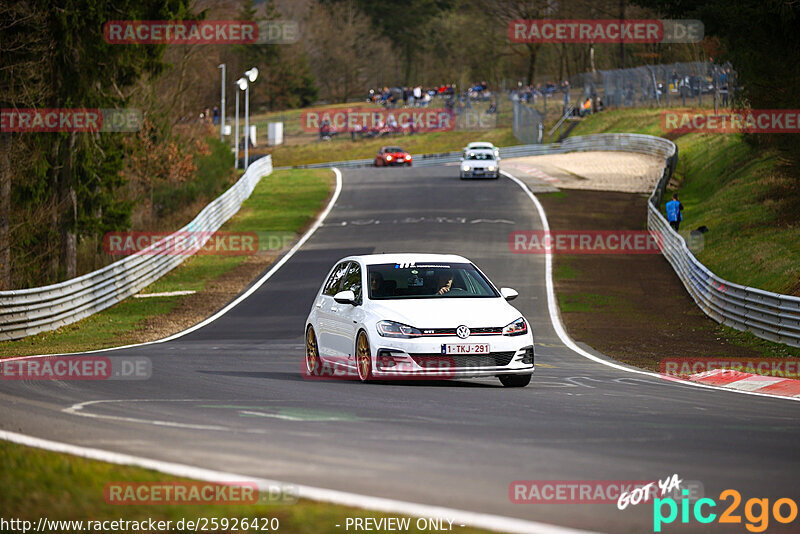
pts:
pixel 392 155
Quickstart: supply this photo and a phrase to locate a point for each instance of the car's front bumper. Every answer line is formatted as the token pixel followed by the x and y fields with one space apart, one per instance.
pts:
pixel 423 358
pixel 479 173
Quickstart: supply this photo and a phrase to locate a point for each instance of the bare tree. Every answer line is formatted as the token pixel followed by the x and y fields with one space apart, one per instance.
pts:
pixel 507 11
pixel 344 51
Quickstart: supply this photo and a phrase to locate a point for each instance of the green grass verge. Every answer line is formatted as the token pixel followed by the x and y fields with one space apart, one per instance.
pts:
pixel 767 349
pixel 565 271
pixel 284 202
pixel 39 483
pixel 585 302
pixel 739 192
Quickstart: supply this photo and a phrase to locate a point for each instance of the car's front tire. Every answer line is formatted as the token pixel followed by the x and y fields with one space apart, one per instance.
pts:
pixel 363 357
pixel 515 381
pixel 312 352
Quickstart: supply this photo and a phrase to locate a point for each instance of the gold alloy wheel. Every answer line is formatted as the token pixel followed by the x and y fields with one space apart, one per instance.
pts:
pixel 364 358
pixel 312 354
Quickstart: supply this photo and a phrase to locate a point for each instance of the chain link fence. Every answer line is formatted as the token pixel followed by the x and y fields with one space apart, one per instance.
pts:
pixel 527 124
pixel 695 84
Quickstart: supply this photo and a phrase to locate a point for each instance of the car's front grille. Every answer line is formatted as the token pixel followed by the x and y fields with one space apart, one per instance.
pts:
pixel 493 359
pixel 484 331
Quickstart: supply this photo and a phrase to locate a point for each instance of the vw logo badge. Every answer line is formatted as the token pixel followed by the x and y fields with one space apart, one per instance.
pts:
pixel 462 332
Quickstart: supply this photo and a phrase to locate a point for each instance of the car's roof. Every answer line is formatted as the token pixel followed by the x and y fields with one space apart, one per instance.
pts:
pixel 476 143
pixel 372 259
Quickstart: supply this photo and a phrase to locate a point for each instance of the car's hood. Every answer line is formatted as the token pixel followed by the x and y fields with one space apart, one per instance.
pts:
pixel 480 163
pixel 446 312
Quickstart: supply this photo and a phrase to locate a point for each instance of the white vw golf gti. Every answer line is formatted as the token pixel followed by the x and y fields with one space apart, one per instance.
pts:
pixel 393 316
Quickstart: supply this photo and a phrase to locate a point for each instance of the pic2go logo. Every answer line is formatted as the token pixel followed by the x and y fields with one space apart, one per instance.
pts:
pixel 757 521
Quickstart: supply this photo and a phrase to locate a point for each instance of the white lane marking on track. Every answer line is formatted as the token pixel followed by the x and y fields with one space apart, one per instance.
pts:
pixel 285 417
pixel 77 409
pixel 364 502
pixel 241 297
pixel 555 316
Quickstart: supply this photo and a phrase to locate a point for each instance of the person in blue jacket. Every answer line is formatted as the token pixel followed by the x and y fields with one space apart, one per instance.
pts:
pixel 674 209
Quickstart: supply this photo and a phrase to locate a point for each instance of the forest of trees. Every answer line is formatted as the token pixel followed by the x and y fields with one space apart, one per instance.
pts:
pixel 60 192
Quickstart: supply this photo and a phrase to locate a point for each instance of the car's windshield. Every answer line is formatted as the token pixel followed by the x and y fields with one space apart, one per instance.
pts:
pixel 393 149
pixel 480 156
pixel 390 281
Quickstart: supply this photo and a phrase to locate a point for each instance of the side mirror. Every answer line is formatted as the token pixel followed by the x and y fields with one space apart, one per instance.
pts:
pixel 508 293
pixel 346 297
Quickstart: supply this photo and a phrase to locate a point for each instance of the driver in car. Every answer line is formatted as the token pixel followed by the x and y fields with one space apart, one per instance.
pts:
pixel 444 281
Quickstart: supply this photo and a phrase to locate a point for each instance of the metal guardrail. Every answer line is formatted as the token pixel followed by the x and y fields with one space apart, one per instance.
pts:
pixel 25 312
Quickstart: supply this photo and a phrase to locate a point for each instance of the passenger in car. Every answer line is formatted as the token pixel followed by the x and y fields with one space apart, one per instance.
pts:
pixel 376 285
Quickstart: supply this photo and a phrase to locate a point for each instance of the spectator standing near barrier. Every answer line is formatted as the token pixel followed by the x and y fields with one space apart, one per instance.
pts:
pixel 565 88
pixel 674 209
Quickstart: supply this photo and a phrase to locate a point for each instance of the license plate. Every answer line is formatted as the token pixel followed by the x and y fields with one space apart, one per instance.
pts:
pixel 478 171
pixel 466 348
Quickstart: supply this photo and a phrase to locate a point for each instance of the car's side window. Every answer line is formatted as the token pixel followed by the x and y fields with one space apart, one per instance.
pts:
pixel 335 279
pixel 353 281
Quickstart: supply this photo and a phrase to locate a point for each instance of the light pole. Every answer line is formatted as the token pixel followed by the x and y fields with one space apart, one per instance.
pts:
pixel 240 84
pixel 251 75
pixel 222 106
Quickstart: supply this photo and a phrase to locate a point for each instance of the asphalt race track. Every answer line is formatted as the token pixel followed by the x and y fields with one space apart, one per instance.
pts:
pixel 230 396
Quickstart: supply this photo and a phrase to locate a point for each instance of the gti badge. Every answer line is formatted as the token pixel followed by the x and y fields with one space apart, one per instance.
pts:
pixel 462 332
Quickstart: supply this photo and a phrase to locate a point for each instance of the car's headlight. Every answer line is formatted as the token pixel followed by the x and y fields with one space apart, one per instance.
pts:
pixel 395 329
pixel 408 156
pixel 517 328
pixel 491 168
pixel 388 158
pixel 465 167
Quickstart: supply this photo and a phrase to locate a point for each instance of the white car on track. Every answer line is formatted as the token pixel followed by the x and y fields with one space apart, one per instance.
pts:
pixel 479 163
pixel 481 145
pixel 412 316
